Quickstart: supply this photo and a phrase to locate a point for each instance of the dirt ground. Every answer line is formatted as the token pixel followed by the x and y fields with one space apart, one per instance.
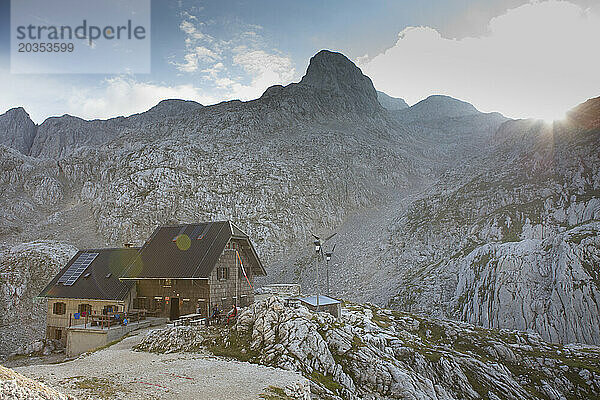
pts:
pixel 118 372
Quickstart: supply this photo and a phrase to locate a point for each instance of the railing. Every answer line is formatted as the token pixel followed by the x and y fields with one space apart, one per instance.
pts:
pixel 108 320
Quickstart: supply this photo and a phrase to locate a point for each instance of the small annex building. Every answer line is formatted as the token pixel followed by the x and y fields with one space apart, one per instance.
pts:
pixel 325 303
pixel 180 269
pixel 88 283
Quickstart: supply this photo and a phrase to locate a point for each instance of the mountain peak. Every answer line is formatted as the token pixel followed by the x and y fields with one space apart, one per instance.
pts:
pixel 17 112
pixel 329 70
pixel 17 130
pixel 173 107
pixel 334 73
pixel 438 107
pixel 450 104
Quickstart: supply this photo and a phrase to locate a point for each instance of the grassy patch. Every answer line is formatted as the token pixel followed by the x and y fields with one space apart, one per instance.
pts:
pixel 432 355
pixel 325 380
pixel 274 393
pixel 235 347
pixel 467 347
pixel 578 237
pixel 475 384
pixel 16 357
pixel 431 332
pixel 100 388
pixel 381 320
pixel 357 343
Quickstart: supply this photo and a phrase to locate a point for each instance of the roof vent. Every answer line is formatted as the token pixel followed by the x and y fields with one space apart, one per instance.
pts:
pixel 204 231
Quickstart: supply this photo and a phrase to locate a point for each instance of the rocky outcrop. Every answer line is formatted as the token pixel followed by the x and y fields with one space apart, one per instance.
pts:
pixel 25 270
pixel 376 353
pixel 15 386
pixel 172 340
pixel 17 130
pixel 42 347
pixel 546 285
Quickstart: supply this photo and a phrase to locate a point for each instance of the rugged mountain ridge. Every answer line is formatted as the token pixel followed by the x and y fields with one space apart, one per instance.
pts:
pixel 516 243
pixel 59 136
pixel 586 114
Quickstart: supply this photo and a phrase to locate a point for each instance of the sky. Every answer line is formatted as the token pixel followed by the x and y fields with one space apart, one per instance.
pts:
pixel 523 59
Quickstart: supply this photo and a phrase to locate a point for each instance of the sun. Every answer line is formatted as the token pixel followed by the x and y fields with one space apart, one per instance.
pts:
pixel 553 117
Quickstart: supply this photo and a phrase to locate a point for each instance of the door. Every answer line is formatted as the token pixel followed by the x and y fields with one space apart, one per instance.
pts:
pixel 174 308
pixel 202 308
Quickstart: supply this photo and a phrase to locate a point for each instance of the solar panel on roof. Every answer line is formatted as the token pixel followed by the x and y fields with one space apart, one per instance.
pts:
pixel 76 269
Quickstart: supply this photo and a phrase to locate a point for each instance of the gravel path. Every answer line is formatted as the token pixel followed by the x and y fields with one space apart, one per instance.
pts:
pixel 118 372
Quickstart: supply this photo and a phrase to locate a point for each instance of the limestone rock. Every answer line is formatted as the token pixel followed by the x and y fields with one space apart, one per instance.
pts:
pixel 373 353
pixel 25 271
pixel 15 386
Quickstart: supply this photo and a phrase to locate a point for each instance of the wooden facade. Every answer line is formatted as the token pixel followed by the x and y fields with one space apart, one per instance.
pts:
pixel 227 285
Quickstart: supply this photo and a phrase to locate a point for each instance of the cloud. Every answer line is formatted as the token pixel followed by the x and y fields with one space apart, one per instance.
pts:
pixel 194 57
pixel 195 54
pixel 115 96
pixel 237 66
pixel 265 69
pixel 536 60
pixel 125 96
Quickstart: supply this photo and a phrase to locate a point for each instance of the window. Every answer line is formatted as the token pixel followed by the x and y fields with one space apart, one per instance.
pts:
pixel 222 273
pixel 158 304
pixel 84 309
pixel 59 308
pixel 109 309
pixel 141 303
pixel 58 333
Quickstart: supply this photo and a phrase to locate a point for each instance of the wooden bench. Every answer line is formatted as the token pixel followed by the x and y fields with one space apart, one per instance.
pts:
pixel 103 320
pixel 198 321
